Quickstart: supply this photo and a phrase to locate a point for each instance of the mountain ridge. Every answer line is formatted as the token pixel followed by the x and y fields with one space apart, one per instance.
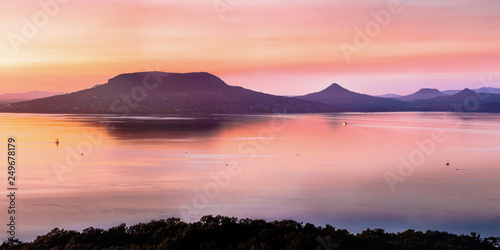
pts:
pixel 424 93
pixel 485 90
pixel 338 96
pixel 161 92
pixel 158 92
pixel 465 100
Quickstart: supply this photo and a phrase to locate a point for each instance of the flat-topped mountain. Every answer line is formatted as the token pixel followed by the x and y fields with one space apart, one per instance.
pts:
pixel 352 101
pixel 422 94
pixel 160 93
pixel 163 82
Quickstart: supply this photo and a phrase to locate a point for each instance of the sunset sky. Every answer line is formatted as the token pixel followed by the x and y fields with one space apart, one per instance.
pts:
pixel 280 47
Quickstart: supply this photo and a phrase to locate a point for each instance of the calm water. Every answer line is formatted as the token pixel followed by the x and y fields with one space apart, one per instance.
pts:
pixel 380 171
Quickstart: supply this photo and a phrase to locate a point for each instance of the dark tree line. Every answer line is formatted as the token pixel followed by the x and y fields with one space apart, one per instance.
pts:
pixel 221 232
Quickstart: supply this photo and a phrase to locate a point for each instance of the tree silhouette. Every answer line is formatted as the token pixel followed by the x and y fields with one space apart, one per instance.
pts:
pixel 220 232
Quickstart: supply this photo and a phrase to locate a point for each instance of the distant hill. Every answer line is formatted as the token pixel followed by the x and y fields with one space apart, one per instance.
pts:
pixel 422 94
pixel 160 93
pixel 465 100
pixel 479 90
pixel 18 97
pixel 352 101
pixel 457 98
pixel 487 90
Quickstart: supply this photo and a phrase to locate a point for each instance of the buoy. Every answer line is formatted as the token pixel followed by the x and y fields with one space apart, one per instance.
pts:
pixel 345 124
pixel 57 142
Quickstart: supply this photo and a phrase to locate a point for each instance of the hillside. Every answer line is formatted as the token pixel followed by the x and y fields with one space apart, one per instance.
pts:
pixel 465 100
pixel 488 90
pixel 422 94
pixel 204 93
pixel 352 101
pixel 160 93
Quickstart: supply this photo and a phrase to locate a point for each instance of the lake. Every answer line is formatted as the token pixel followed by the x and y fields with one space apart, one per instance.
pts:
pixel 395 171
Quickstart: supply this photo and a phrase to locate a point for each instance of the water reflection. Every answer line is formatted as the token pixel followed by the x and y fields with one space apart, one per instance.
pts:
pixel 165 127
pixel 303 167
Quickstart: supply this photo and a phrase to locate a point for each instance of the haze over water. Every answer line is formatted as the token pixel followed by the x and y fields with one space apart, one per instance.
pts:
pixel 309 168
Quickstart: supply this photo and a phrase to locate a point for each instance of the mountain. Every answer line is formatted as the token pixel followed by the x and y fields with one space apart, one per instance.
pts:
pixel 489 107
pixel 457 98
pixel 489 90
pixel 204 93
pixel 421 95
pixel 160 92
pixel 18 97
pixel 465 100
pixel 352 101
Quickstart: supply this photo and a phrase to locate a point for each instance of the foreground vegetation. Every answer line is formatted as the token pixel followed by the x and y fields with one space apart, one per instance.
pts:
pixel 221 232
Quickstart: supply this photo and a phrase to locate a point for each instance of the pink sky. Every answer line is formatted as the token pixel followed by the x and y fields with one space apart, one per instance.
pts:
pixel 280 47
